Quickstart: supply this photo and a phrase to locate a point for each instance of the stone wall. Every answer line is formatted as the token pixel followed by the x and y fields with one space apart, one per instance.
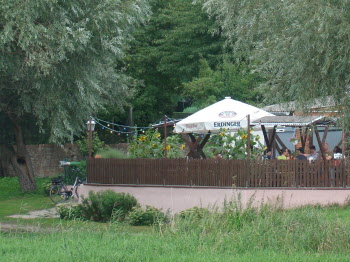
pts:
pixel 46 157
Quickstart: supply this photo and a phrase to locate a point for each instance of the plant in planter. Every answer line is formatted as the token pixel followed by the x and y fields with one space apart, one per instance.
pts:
pixel 294 140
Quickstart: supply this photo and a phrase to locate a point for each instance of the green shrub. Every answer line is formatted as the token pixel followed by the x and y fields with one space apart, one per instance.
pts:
pixel 145 217
pixel 78 169
pixel 191 109
pixel 69 211
pixel 101 206
pixel 46 188
pixel 111 153
pixel 194 213
pixel 96 144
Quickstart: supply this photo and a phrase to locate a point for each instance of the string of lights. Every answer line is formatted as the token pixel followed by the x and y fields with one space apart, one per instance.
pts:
pixel 136 129
pixel 123 126
pixel 113 130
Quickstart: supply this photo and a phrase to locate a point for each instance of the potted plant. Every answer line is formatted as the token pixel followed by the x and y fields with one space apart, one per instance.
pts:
pixel 294 140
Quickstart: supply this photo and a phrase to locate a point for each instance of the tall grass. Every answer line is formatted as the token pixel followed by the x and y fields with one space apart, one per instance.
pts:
pixel 202 243
pixel 231 233
pixel 266 228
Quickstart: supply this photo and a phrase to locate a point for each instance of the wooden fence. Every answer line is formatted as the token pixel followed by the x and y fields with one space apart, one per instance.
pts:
pixel 218 173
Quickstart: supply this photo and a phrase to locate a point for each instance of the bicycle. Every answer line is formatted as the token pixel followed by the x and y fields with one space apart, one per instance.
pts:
pixel 59 192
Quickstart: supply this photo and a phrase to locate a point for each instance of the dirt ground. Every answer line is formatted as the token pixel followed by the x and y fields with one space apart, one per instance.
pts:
pixel 45 213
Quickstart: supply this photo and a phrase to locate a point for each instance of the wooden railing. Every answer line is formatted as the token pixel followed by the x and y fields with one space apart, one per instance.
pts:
pixel 218 173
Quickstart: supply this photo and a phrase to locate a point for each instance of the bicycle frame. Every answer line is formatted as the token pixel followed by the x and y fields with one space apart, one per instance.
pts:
pixel 59 189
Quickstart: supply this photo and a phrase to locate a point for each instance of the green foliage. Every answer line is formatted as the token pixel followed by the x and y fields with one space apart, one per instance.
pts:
pixel 102 206
pixel 194 213
pixel 61 61
pixel 190 109
pixel 166 52
pixel 265 233
pixel 300 47
pixel 204 89
pixel 175 146
pixel 145 217
pixel 46 188
pixel 234 145
pixel 227 80
pixel 69 211
pixel 108 152
pixel 96 145
pixel 147 145
pixel 262 228
pixel 9 187
pixel 150 145
pixel 76 169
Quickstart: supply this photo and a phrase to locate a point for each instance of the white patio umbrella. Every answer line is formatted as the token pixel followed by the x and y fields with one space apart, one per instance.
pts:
pixel 227 113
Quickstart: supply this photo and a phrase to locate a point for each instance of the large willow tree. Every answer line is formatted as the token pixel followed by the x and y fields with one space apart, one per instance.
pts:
pixel 301 47
pixel 58 65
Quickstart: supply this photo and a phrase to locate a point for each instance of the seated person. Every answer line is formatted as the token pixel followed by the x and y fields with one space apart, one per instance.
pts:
pixel 338 153
pixel 325 151
pixel 300 154
pixel 267 154
pixel 313 155
pixel 285 155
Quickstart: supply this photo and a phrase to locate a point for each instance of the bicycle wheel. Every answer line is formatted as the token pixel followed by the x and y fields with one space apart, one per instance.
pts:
pixel 58 193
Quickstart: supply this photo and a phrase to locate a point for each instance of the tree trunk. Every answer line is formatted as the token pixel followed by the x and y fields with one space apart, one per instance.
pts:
pixel 20 160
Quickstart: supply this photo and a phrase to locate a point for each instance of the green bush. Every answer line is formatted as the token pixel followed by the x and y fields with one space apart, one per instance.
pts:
pixel 73 171
pixel 96 144
pixel 194 213
pixel 46 188
pixel 145 217
pixel 69 211
pixel 101 206
pixel 111 153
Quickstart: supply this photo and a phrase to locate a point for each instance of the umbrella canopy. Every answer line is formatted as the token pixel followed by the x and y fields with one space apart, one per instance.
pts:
pixel 227 113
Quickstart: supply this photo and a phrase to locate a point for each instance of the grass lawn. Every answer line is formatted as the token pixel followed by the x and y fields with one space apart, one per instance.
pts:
pixel 117 244
pixel 22 205
pixel 303 234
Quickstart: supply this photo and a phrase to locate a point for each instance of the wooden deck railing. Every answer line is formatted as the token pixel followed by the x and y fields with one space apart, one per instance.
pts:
pixel 222 173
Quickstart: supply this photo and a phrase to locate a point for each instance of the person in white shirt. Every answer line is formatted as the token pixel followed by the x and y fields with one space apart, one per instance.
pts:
pixel 313 155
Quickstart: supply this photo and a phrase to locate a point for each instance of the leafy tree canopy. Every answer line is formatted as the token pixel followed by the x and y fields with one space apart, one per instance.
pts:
pixel 60 63
pixel 301 47
pixel 59 59
pixel 167 52
pixel 228 79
